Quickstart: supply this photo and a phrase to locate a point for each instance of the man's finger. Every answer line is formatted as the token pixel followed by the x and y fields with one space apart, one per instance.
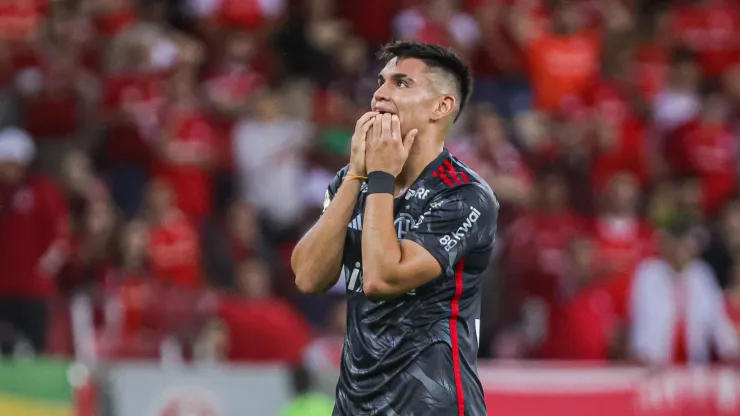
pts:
pixel 408 141
pixel 387 125
pixel 377 127
pixel 366 127
pixel 396 127
pixel 365 118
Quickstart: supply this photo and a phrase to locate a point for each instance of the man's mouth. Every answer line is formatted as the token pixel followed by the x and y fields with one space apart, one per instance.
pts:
pixel 384 110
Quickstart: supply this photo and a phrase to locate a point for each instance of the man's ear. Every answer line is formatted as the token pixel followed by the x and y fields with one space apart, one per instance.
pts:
pixel 446 105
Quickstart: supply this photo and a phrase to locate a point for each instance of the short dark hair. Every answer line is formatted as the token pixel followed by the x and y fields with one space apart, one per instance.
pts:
pixel 436 57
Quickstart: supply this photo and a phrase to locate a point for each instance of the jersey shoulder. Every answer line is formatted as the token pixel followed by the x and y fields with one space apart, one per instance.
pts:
pixel 454 177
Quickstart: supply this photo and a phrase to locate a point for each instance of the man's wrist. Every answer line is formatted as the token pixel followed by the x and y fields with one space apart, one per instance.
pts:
pixel 379 182
pixel 352 175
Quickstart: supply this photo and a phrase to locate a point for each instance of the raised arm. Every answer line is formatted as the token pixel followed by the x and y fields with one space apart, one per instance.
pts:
pixel 453 223
pixel 317 258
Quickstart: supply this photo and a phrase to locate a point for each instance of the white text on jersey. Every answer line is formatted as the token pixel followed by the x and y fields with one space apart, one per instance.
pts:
pixel 450 241
pixel 420 193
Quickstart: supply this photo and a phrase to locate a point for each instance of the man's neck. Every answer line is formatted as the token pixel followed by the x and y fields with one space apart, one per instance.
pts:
pixel 424 151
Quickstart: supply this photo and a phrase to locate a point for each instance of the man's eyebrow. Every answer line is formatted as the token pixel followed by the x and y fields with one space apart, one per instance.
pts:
pixel 397 77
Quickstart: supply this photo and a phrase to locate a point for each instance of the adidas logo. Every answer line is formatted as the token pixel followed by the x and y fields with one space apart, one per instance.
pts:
pixel 356 223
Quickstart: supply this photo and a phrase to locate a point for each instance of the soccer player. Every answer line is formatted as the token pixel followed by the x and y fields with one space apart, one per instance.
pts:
pixel 410 229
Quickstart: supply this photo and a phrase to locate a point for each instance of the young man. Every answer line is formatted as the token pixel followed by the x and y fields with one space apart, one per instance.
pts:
pixel 410 229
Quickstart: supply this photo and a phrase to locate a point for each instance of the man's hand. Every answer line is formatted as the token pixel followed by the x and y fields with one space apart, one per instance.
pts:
pixel 359 138
pixel 386 149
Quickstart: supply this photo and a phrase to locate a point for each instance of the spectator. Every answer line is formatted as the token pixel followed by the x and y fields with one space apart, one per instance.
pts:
pixel 705 149
pixel 92 248
pixel 722 251
pixel 494 157
pixel 112 17
pixel 552 55
pixel 652 55
pixel 272 143
pixel 585 325
pixel 679 100
pixel 232 81
pixel 131 299
pixel 440 22
pixel 261 327
pixel 616 110
pixel 173 241
pixel 623 238
pixel 537 242
pixel 677 310
pixel 732 296
pixel 57 90
pixel 34 239
pixel 133 97
pixel 187 148
pixel 310 33
pixel 226 245
pixel 711 29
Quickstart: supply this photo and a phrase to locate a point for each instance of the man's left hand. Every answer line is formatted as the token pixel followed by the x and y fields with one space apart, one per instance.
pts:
pixel 386 149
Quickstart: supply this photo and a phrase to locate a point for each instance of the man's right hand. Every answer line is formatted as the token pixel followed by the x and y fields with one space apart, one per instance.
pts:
pixel 357 152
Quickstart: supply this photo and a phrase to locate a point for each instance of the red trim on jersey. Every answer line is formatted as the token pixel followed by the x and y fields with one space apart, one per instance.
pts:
pixel 464 176
pixel 455 337
pixel 451 170
pixel 442 176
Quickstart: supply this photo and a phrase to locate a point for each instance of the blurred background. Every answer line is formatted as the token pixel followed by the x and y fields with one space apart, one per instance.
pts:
pixel 159 160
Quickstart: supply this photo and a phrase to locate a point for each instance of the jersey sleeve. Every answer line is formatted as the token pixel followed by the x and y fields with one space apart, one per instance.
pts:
pixel 333 187
pixel 455 222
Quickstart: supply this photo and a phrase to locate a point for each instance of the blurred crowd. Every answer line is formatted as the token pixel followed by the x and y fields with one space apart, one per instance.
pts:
pixel 159 160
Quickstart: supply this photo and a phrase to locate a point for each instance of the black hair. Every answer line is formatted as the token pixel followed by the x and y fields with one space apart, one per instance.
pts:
pixel 682 55
pixel 710 87
pixel 678 228
pixel 436 57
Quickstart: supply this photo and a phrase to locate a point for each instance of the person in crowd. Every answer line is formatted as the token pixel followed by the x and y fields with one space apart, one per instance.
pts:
pixel 269 152
pixel 173 240
pixel 722 252
pixel 676 308
pixel 261 326
pixel 34 240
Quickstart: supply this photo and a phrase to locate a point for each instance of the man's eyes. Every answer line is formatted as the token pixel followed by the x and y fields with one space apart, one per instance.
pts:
pixel 399 83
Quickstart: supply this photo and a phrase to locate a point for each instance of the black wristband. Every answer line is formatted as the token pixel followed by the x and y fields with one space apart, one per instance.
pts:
pixel 379 182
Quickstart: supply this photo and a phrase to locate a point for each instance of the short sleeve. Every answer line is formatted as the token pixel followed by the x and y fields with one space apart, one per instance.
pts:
pixel 455 222
pixel 333 187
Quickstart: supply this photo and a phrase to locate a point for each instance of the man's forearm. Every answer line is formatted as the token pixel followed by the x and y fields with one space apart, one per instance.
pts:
pixel 317 258
pixel 380 248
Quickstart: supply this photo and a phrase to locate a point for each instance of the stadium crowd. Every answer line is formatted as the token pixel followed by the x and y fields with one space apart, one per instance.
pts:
pixel 159 160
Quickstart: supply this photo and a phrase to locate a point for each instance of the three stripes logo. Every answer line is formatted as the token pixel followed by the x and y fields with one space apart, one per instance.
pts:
pixel 449 176
pixel 356 223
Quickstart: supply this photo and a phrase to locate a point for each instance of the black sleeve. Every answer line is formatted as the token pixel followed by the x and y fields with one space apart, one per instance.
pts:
pixel 333 187
pixel 456 221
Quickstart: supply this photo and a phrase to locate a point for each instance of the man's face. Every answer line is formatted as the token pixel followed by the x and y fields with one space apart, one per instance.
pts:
pixel 625 193
pixel 11 172
pixel 679 250
pixel 405 89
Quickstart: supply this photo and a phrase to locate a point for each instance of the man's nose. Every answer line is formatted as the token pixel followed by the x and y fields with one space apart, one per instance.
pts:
pixel 381 94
